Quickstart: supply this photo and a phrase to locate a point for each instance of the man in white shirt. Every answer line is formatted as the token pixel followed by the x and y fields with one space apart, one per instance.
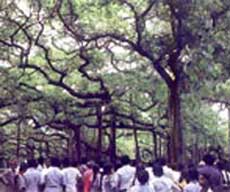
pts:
pixel 54 181
pixel 124 175
pixel 143 184
pixel 193 185
pixel 41 164
pixel 162 183
pixel 32 177
pixel 71 175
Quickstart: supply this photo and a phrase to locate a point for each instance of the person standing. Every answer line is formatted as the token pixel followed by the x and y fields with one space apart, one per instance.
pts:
pixel 87 177
pixel 32 177
pixel 53 179
pixel 214 175
pixel 193 184
pixel 124 175
pixel 108 184
pixel 95 179
pixel 10 175
pixel 71 175
pixel 160 182
pixel 143 183
pixel 204 181
pixel 20 179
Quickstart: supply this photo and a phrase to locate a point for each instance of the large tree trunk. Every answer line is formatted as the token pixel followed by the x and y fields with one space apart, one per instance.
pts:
pixel 99 136
pixel 196 149
pixel 113 138
pixel 228 131
pixel 155 145
pixel 160 148
pixel 136 145
pixel 18 140
pixel 176 147
pixel 77 138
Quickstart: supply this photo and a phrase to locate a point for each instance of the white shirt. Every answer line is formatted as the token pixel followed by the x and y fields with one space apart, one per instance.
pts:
pixel 123 176
pixel 43 172
pixel 150 172
pixel 226 176
pixel 193 186
pixel 53 180
pixel 108 183
pixel 41 168
pixel 70 176
pixel 162 184
pixel 142 188
pixel 170 173
pixel 32 180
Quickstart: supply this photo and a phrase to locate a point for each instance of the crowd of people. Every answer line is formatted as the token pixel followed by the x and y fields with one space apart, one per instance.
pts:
pixel 210 175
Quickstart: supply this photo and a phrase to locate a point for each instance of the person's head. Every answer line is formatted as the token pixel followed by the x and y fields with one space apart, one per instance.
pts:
pixel 180 167
pixel 23 167
pixel 40 160
pixel 221 165
pixel 204 180
pixel 117 165
pixel 13 164
pixel 192 174
pixel 66 162
pixel 107 168
pixel 143 176
pixel 125 160
pixel 96 168
pixel 90 164
pixel 54 161
pixel 209 159
pixel 157 170
pixel 32 163
pixel 140 166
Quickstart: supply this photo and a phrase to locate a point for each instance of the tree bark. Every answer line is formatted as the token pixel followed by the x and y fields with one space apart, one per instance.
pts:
pixel 18 140
pixel 196 148
pixel 113 138
pixel 160 147
pixel 228 131
pixel 77 138
pixel 99 136
pixel 176 148
pixel 137 154
pixel 155 145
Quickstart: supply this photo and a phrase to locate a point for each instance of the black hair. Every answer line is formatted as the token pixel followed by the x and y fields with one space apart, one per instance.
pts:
pixel 221 165
pixel 192 174
pixel 209 159
pixel 32 163
pixel 143 176
pixel 157 170
pixel 40 160
pixel 125 160
pixel 107 168
pixel 23 167
pixel 96 169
